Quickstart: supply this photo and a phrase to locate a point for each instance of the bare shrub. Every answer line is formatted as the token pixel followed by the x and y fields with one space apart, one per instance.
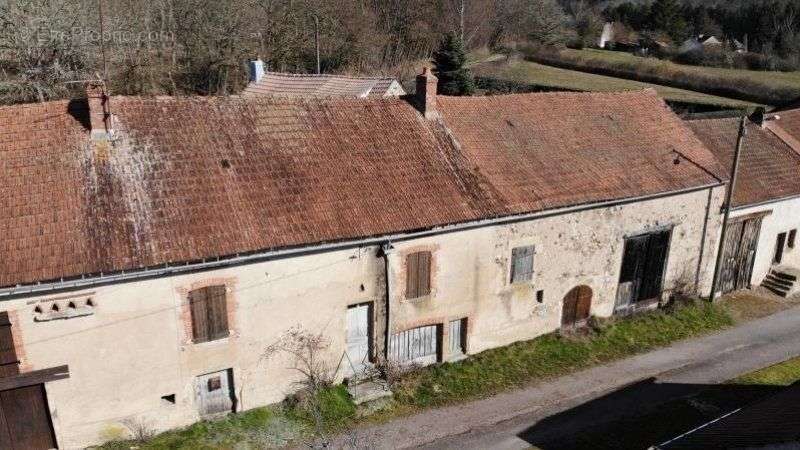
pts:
pixel 140 429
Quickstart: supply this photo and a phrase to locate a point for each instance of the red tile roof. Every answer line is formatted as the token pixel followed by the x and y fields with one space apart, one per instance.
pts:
pixel 325 85
pixel 551 150
pixel 787 127
pixel 768 169
pixel 197 178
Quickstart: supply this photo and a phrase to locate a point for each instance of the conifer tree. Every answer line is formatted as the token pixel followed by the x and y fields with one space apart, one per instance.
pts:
pixel 450 67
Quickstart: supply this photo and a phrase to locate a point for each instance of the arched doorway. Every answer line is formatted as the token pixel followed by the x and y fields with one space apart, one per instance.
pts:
pixel 577 306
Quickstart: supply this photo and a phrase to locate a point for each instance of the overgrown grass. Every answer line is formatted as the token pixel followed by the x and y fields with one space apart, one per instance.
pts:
pixel 492 371
pixel 772 88
pixel 781 374
pixel 553 355
pixel 553 78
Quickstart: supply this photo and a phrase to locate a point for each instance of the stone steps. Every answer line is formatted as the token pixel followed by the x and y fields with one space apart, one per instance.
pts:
pixel 782 281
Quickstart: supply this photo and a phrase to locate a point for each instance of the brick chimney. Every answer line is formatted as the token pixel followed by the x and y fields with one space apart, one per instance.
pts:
pixel 426 94
pixel 99 110
pixel 256 70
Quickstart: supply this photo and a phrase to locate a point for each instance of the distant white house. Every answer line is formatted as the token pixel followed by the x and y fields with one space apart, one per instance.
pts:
pixel 263 82
pixel 700 42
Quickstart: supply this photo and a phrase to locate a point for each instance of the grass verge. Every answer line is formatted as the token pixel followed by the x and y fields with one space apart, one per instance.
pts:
pixel 489 372
pixel 781 374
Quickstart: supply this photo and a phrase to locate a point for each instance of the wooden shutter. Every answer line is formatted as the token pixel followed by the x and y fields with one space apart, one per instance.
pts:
pixel 792 238
pixel 217 312
pixel 522 264
pixel 198 303
pixel 418 274
pixel 9 364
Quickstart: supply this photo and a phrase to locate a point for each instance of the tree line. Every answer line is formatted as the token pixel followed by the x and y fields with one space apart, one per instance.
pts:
pixel 178 47
pixel 201 46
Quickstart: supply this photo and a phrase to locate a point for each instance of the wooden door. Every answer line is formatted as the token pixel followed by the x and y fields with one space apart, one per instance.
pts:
pixel 458 337
pixel 577 307
pixel 359 336
pixel 738 254
pixel 417 345
pixel 214 393
pixel 25 419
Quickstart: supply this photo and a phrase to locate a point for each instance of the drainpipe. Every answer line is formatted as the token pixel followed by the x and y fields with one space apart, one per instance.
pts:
pixel 727 205
pixel 386 251
pixel 703 242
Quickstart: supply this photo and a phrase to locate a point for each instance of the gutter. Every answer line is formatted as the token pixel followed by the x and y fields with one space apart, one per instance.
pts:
pixel 239 259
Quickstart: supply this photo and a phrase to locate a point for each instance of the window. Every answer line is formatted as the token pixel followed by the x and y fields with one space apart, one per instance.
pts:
pixel 792 238
pixel 522 264
pixel 780 244
pixel 418 274
pixel 209 313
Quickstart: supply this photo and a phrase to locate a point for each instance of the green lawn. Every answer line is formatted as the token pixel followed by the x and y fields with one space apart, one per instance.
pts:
pixel 495 370
pixel 553 77
pixel 782 374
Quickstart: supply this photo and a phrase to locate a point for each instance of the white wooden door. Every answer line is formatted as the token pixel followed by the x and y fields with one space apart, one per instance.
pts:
pixel 457 337
pixel 214 393
pixel 358 335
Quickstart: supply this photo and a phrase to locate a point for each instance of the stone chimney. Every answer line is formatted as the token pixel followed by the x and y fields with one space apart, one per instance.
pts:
pixel 426 94
pixel 100 118
pixel 256 70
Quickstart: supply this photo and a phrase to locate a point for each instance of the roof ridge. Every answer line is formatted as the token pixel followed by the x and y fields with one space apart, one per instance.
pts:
pixel 329 75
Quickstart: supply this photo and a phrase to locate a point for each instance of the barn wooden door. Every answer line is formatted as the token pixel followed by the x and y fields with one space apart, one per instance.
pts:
pixel 25 419
pixel 738 254
pixel 24 414
pixel 577 307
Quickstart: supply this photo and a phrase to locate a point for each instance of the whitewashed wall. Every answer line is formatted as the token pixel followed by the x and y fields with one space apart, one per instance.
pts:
pixel 136 346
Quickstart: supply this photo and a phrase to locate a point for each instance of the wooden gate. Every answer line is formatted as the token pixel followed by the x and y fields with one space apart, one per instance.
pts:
pixel 642 273
pixel 577 307
pixel 417 345
pixel 738 254
pixel 25 419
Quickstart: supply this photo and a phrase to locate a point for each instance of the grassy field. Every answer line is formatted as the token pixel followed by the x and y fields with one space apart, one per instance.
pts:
pixel 553 77
pixel 771 88
pixel 492 371
pixel 778 79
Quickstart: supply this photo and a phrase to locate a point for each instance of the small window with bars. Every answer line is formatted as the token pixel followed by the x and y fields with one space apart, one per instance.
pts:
pixel 209 312
pixel 418 275
pixel 522 264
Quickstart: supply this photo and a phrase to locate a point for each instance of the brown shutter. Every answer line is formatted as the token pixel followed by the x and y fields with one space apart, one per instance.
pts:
pixel 424 278
pixel 198 304
pixel 217 312
pixel 418 274
pixel 9 363
pixel 412 273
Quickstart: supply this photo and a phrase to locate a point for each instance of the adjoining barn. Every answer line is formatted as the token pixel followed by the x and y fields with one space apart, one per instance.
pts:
pixel 761 241
pixel 154 247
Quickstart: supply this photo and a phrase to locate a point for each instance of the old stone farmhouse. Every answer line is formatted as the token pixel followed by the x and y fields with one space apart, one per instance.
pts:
pixel 154 247
pixel 761 241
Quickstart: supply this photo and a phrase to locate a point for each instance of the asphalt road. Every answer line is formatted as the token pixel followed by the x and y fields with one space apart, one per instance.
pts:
pixel 548 415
